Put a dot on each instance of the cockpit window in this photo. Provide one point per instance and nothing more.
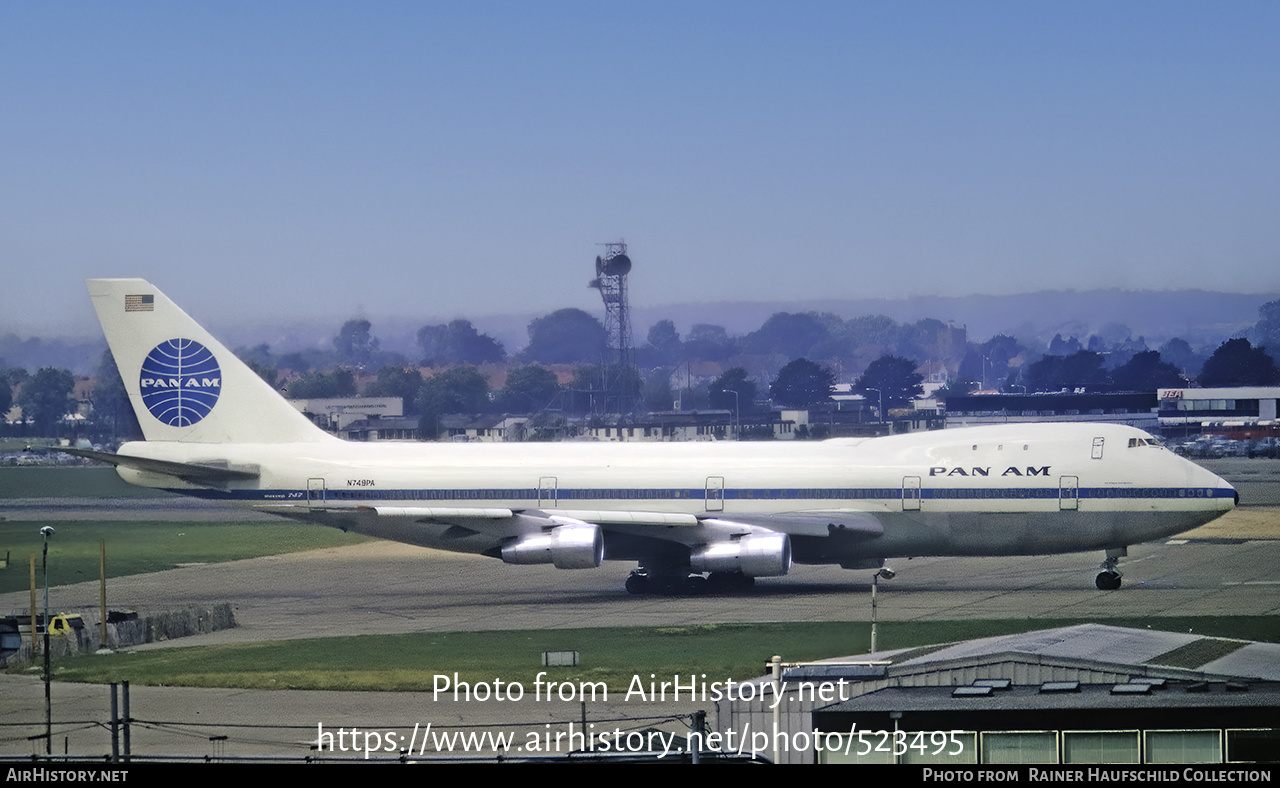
(1145, 442)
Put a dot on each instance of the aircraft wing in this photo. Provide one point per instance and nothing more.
(749, 544)
(862, 524)
(671, 526)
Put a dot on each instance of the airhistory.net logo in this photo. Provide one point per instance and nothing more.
(180, 382)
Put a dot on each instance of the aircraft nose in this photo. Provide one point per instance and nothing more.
(1223, 484)
(1201, 476)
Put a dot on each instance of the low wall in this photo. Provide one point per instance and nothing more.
(149, 628)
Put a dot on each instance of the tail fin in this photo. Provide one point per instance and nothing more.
(183, 384)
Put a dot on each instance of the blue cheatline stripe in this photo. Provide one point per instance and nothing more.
(1156, 492)
(640, 495)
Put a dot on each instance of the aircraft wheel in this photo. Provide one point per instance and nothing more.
(669, 585)
(1108, 581)
(637, 584)
(719, 582)
(726, 582)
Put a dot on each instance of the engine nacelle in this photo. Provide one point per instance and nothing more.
(567, 546)
(756, 555)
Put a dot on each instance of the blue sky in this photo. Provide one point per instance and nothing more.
(440, 159)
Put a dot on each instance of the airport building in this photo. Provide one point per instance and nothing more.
(484, 429)
(1248, 404)
(391, 428)
(1082, 694)
(702, 425)
(1240, 412)
(1135, 410)
(337, 414)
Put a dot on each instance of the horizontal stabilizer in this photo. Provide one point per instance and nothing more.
(189, 472)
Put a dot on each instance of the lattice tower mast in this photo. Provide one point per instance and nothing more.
(611, 280)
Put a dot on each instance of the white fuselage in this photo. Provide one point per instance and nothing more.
(1004, 490)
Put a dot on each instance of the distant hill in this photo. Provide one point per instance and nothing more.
(1194, 315)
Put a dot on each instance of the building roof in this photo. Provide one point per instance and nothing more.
(1230, 392)
(1114, 649)
(1214, 695)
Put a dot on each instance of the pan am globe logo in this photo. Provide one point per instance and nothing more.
(180, 382)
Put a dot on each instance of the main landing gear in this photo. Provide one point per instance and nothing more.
(1109, 579)
(642, 581)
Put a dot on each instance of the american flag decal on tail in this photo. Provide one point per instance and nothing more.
(140, 303)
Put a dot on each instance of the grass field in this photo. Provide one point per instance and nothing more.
(78, 482)
(134, 548)
(612, 655)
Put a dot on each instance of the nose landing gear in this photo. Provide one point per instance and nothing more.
(1109, 579)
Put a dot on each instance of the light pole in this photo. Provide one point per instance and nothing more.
(737, 414)
(880, 411)
(46, 532)
(887, 574)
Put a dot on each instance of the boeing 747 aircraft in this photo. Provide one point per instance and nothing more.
(692, 515)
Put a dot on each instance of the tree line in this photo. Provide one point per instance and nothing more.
(792, 360)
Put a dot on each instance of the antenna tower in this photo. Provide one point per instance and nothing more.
(611, 280)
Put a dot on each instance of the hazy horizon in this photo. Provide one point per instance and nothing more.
(1202, 318)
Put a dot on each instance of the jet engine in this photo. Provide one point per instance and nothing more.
(567, 546)
(754, 555)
